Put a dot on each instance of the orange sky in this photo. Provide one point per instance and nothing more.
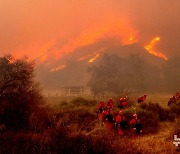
(51, 28)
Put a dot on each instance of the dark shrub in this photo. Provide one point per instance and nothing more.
(59, 141)
(175, 108)
(163, 114)
(19, 93)
(40, 120)
(83, 102)
(81, 117)
(177, 128)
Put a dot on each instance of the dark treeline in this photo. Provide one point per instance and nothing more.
(134, 73)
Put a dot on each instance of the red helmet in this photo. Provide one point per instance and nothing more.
(135, 115)
(108, 110)
(108, 107)
(120, 112)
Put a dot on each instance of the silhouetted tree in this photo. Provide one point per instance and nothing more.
(19, 93)
(171, 74)
(116, 74)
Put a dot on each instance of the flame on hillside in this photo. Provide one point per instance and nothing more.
(94, 58)
(93, 54)
(151, 48)
(122, 30)
(131, 39)
(85, 57)
(58, 68)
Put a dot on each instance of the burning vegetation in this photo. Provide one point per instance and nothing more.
(151, 48)
(94, 58)
(58, 68)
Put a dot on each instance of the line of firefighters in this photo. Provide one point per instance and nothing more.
(106, 115)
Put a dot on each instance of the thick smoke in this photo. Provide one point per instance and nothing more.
(32, 27)
(57, 33)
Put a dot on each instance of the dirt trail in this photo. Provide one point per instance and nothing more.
(160, 142)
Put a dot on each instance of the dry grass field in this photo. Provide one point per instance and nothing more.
(160, 141)
(69, 124)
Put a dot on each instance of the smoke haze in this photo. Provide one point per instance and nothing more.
(58, 33)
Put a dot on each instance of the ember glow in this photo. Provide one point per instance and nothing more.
(58, 68)
(131, 39)
(94, 58)
(151, 48)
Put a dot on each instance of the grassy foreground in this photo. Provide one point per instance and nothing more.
(70, 125)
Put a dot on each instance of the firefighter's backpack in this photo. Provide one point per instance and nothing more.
(109, 117)
(138, 125)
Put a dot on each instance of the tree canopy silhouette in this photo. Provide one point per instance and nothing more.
(116, 74)
(19, 93)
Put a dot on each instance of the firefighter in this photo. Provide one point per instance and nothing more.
(177, 95)
(122, 102)
(108, 114)
(170, 101)
(101, 108)
(109, 105)
(120, 123)
(111, 102)
(136, 126)
(142, 98)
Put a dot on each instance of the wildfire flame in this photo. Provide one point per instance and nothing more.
(85, 57)
(151, 50)
(90, 55)
(58, 68)
(130, 39)
(122, 30)
(94, 58)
